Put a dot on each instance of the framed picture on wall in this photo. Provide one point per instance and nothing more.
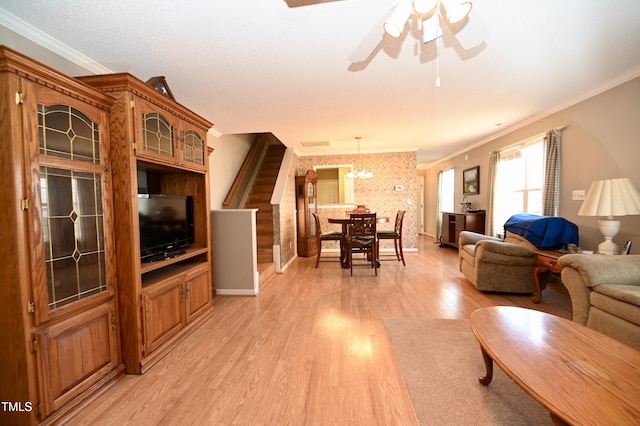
(471, 181)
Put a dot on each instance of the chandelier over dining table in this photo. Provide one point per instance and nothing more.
(359, 173)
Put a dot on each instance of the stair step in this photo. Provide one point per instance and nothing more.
(265, 242)
(266, 180)
(266, 271)
(265, 255)
(264, 208)
(262, 187)
(262, 196)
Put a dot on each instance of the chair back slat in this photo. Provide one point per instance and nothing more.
(318, 230)
(362, 225)
(399, 219)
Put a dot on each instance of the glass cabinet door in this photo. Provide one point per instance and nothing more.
(193, 148)
(157, 134)
(71, 198)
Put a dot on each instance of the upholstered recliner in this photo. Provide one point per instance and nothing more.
(492, 264)
(605, 293)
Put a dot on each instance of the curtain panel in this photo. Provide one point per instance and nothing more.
(551, 172)
(494, 159)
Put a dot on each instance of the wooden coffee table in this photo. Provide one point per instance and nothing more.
(581, 376)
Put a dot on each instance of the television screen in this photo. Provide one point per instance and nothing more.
(166, 225)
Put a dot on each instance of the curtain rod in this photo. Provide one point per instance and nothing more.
(528, 140)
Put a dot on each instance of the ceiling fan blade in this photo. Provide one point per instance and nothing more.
(299, 3)
(471, 32)
(371, 40)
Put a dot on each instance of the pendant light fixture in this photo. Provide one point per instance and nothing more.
(361, 173)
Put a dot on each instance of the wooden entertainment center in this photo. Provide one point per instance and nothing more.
(79, 306)
(158, 147)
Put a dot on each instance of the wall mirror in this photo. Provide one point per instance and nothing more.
(334, 189)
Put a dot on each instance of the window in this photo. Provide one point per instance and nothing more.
(519, 182)
(445, 196)
(447, 189)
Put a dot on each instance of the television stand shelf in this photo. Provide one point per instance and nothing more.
(188, 254)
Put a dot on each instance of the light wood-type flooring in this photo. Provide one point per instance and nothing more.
(310, 349)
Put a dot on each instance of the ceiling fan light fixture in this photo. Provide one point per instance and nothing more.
(424, 6)
(394, 25)
(431, 29)
(456, 10)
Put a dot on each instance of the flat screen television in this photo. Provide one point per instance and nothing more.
(166, 225)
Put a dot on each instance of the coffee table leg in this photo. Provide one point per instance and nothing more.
(488, 363)
(536, 279)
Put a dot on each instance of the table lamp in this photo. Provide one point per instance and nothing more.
(610, 197)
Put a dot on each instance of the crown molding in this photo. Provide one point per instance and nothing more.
(43, 39)
(608, 85)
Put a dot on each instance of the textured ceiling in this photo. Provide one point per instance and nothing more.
(262, 66)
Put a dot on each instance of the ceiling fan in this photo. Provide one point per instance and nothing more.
(430, 17)
(299, 3)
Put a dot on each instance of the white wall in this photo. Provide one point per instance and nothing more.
(224, 162)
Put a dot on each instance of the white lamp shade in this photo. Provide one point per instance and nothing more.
(424, 6)
(394, 26)
(611, 197)
(456, 10)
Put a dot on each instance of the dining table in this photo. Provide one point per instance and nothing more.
(345, 222)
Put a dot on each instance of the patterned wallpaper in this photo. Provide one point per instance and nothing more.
(378, 193)
(284, 221)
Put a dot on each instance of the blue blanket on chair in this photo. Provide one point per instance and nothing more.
(544, 232)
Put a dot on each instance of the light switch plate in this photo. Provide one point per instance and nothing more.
(578, 194)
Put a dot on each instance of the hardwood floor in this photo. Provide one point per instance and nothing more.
(311, 348)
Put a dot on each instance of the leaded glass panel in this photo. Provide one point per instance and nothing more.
(73, 234)
(157, 134)
(67, 133)
(193, 147)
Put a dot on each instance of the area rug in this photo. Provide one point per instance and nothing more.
(440, 362)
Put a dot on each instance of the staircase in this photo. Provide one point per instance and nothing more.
(260, 198)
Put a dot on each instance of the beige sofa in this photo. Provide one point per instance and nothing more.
(492, 264)
(605, 293)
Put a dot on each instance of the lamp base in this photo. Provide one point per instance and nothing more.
(609, 229)
(608, 247)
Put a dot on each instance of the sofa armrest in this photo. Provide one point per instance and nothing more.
(581, 272)
(603, 269)
(507, 249)
(468, 237)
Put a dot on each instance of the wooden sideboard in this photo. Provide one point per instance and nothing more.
(454, 223)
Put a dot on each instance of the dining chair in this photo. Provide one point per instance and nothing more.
(395, 235)
(361, 238)
(329, 236)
